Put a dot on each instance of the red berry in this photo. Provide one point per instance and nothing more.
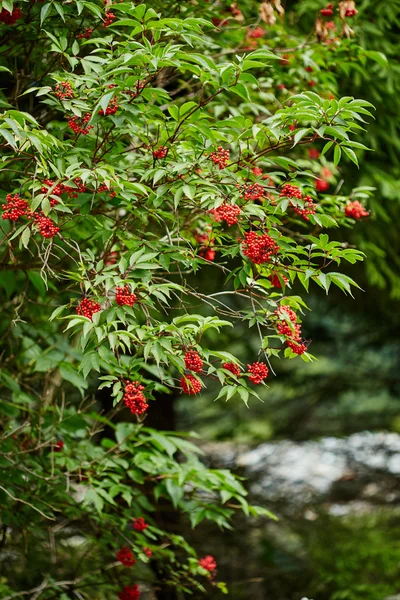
(87, 308)
(255, 33)
(10, 18)
(129, 593)
(193, 361)
(64, 90)
(139, 524)
(356, 210)
(46, 226)
(257, 171)
(259, 247)
(258, 372)
(251, 191)
(109, 19)
(208, 563)
(161, 152)
(190, 384)
(123, 296)
(147, 552)
(220, 157)
(321, 185)
(234, 369)
(314, 153)
(134, 398)
(125, 556)
(15, 208)
(274, 279)
(111, 108)
(58, 447)
(226, 212)
(79, 124)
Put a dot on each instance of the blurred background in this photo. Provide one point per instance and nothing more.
(322, 451)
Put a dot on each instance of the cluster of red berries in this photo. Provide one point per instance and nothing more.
(291, 331)
(190, 384)
(134, 398)
(328, 11)
(292, 191)
(61, 188)
(10, 18)
(86, 34)
(207, 254)
(193, 361)
(355, 210)
(258, 372)
(251, 191)
(87, 308)
(203, 237)
(161, 152)
(80, 124)
(125, 556)
(257, 171)
(276, 281)
(109, 19)
(232, 368)
(313, 153)
(209, 563)
(259, 247)
(139, 524)
(15, 208)
(220, 157)
(321, 185)
(129, 593)
(104, 188)
(124, 296)
(46, 226)
(111, 108)
(226, 212)
(147, 552)
(255, 33)
(111, 258)
(64, 90)
(58, 446)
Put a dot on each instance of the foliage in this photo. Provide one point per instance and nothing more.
(144, 153)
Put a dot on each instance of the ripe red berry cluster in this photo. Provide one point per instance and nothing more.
(355, 210)
(104, 188)
(292, 332)
(161, 152)
(15, 208)
(259, 247)
(190, 384)
(251, 191)
(129, 593)
(64, 90)
(202, 237)
(321, 185)
(291, 191)
(257, 171)
(328, 11)
(147, 552)
(207, 254)
(226, 212)
(134, 398)
(111, 108)
(255, 33)
(86, 34)
(58, 446)
(209, 563)
(139, 524)
(220, 157)
(193, 361)
(46, 226)
(313, 153)
(309, 208)
(111, 258)
(258, 372)
(87, 308)
(125, 556)
(232, 368)
(79, 124)
(61, 188)
(124, 296)
(109, 19)
(10, 18)
(276, 282)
